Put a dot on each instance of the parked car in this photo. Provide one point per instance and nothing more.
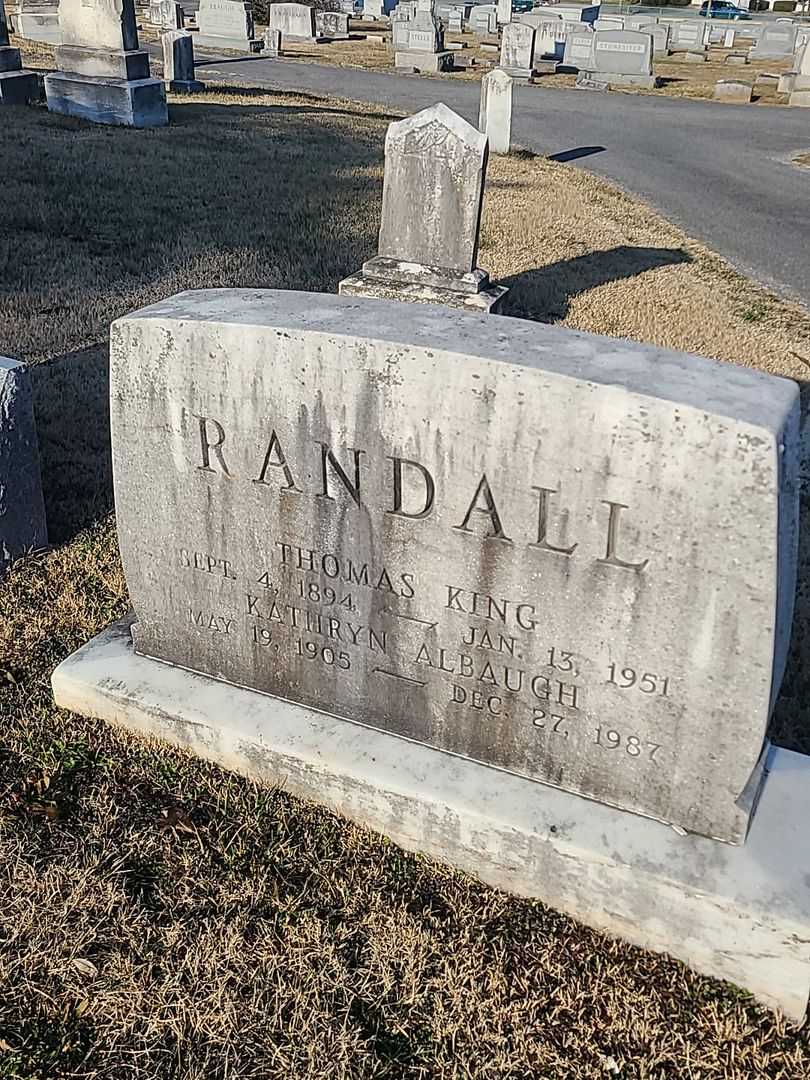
(722, 9)
(522, 6)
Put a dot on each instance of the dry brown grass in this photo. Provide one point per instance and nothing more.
(162, 919)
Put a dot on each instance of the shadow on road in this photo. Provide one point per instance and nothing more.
(545, 294)
(577, 153)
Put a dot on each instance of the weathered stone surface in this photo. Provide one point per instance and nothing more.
(733, 90)
(801, 79)
(98, 24)
(38, 21)
(332, 24)
(484, 19)
(295, 21)
(777, 41)
(18, 87)
(737, 59)
(22, 511)
(435, 164)
(167, 14)
(228, 24)
(140, 103)
(735, 913)
(623, 56)
(800, 98)
(421, 60)
(696, 57)
(178, 62)
(103, 76)
(271, 42)
(517, 50)
(387, 513)
(687, 35)
(579, 49)
(549, 41)
(373, 9)
(504, 12)
(495, 112)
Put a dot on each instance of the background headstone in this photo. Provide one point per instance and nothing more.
(178, 62)
(435, 164)
(579, 49)
(733, 90)
(271, 42)
(102, 75)
(623, 56)
(332, 24)
(22, 510)
(777, 40)
(495, 113)
(517, 50)
(228, 24)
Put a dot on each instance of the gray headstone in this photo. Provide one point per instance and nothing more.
(99, 24)
(4, 37)
(484, 19)
(435, 165)
(517, 49)
(687, 35)
(332, 24)
(495, 113)
(549, 40)
(271, 42)
(579, 49)
(733, 90)
(22, 510)
(373, 9)
(390, 513)
(178, 62)
(623, 56)
(777, 40)
(504, 12)
(228, 24)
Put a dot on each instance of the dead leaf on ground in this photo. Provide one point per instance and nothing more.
(85, 967)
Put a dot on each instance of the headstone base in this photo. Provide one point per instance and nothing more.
(695, 57)
(388, 279)
(520, 74)
(140, 104)
(416, 60)
(223, 44)
(185, 86)
(18, 87)
(648, 82)
(800, 98)
(588, 82)
(10, 58)
(131, 65)
(736, 59)
(787, 83)
(735, 913)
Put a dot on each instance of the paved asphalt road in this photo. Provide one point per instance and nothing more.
(722, 172)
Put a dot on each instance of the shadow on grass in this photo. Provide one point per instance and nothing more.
(545, 294)
(97, 222)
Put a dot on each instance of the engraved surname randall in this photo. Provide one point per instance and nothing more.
(480, 514)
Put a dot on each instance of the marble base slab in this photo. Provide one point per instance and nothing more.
(740, 913)
(140, 103)
(487, 301)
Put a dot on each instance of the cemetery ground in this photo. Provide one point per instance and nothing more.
(162, 918)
